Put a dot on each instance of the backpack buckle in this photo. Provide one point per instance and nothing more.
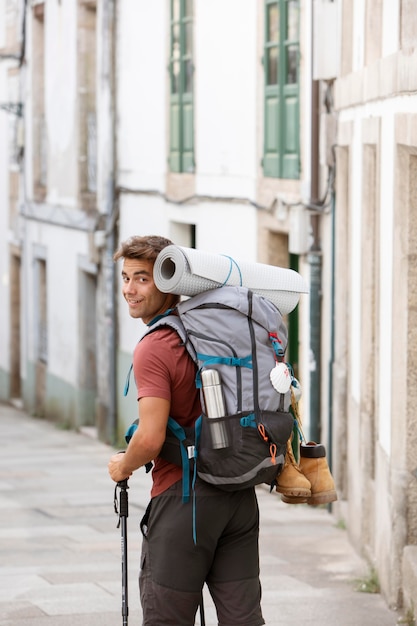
(248, 420)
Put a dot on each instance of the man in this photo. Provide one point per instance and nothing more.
(225, 555)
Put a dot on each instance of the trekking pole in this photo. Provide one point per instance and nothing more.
(123, 513)
(202, 615)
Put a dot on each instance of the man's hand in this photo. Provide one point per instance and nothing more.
(116, 471)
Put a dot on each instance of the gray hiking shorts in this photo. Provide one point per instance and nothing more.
(225, 557)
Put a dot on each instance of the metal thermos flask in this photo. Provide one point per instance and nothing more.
(215, 407)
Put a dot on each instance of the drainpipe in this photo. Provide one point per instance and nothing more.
(332, 329)
(314, 258)
(109, 31)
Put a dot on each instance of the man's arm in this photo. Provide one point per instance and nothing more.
(147, 440)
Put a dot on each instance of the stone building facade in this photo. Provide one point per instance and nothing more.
(375, 381)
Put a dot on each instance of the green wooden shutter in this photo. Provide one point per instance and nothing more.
(271, 155)
(290, 154)
(281, 65)
(181, 154)
(188, 134)
(175, 135)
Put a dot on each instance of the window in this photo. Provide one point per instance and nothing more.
(281, 65)
(181, 155)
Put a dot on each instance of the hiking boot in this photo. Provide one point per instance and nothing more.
(291, 482)
(313, 465)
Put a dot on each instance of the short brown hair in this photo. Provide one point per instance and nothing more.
(137, 247)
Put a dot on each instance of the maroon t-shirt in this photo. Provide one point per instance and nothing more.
(164, 369)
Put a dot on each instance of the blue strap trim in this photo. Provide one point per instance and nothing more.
(248, 420)
(127, 382)
(208, 359)
(155, 319)
(197, 433)
(232, 262)
(178, 431)
(128, 436)
(159, 317)
(130, 432)
(245, 361)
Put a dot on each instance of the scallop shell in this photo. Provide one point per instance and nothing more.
(280, 377)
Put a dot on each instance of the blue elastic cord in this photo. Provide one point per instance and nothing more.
(232, 262)
(300, 434)
(178, 431)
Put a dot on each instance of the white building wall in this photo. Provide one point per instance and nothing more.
(62, 295)
(142, 83)
(390, 26)
(225, 98)
(359, 8)
(61, 96)
(4, 221)
(3, 23)
(56, 230)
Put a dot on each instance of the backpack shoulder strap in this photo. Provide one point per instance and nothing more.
(185, 448)
(174, 321)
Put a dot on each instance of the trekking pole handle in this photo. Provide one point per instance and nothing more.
(123, 502)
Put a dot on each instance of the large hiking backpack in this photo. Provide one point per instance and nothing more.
(242, 336)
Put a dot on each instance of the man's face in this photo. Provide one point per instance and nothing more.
(145, 301)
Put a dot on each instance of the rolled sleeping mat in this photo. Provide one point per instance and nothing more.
(188, 272)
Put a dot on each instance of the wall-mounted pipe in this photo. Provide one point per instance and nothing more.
(109, 32)
(315, 260)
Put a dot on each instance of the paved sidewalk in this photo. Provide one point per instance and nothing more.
(60, 562)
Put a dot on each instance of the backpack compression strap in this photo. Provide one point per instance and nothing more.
(207, 359)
